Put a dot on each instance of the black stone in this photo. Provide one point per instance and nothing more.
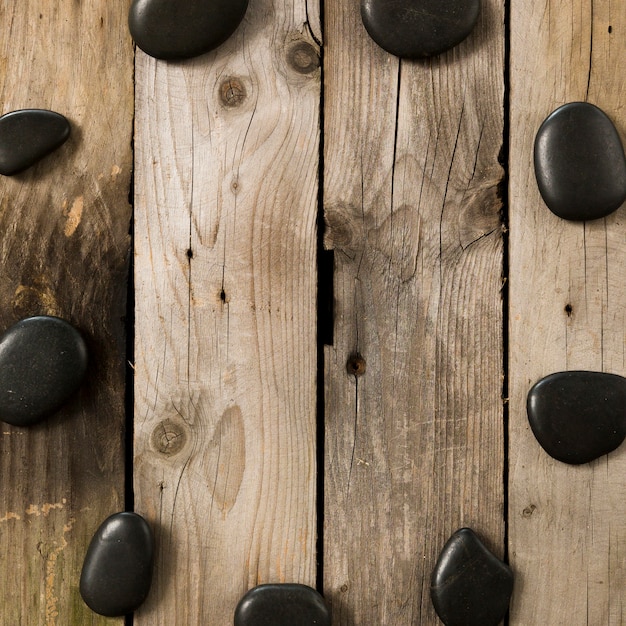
(43, 361)
(117, 571)
(579, 163)
(182, 29)
(419, 28)
(578, 416)
(469, 585)
(27, 136)
(282, 605)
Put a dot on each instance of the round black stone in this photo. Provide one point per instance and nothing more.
(282, 605)
(469, 585)
(28, 135)
(578, 416)
(182, 29)
(419, 28)
(43, 361)
(579, 163)
(117, 571)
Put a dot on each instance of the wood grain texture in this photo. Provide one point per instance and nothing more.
(414, 445)
(567, 523)
(64, 249)
(227, 154)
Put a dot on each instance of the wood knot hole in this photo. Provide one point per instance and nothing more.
(189, 253)
(169, 437)
(356, 365)
(569, 310)
(610, 29)
(232, 92)
(303, 58)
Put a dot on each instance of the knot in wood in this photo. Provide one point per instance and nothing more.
(232, 92)
(303, 58)
(356, 365)
(169, 437)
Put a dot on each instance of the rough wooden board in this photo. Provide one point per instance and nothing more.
(567, 523)
(64, 250)
(414, 446)
(226, 206)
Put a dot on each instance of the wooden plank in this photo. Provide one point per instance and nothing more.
(414, 444)
(226, 205)
(567, 524)
(64, 249)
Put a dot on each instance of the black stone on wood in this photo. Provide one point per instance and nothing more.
(419, 28)
(469, 585)
(28, 135)
(579, 163)
(117, 571)
(43, 361)
(286, 604)
(182, 29)
(578, 416)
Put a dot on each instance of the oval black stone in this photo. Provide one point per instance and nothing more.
(43, 361)
(28, 135)
(287, 604)
(117, 571)
(578, 416)
(469, 585)
(182, 29)
(579, 163)
(419, 28)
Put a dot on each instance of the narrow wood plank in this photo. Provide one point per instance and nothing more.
(567, 524)
(414, 445)
(64, 249)
(226, 203)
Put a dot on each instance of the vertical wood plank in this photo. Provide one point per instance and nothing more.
(414, 445)
(567, 523)
(64, 249)
(226, 204)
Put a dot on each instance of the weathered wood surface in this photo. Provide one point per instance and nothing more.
(415, 442)
(227, 156)
(64, 249)
(567, 523)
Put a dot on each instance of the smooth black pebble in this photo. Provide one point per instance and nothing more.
(43, 361)
(578, 416)
(182, 29)
(419, 28)
(286, 604)
(579, 163)
(469, 585)
(28, 135)
(117, 571)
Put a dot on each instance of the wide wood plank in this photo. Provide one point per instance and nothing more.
(64, 250)
(226, 204)
(567, 523)
(414, 414)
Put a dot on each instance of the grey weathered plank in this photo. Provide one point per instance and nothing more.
(226, 204)
(64, 250)
(414, 444)
(567, 524)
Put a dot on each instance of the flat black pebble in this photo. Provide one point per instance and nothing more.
(43, 361)
(286, 604)
(469, 585)
(117, 571)
(579, 163)
(419, 28)
(578, 416)
(27, 136)
(182, 29)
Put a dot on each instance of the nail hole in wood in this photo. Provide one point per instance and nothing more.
(356, 365)
(190, 253)
(569, 309)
